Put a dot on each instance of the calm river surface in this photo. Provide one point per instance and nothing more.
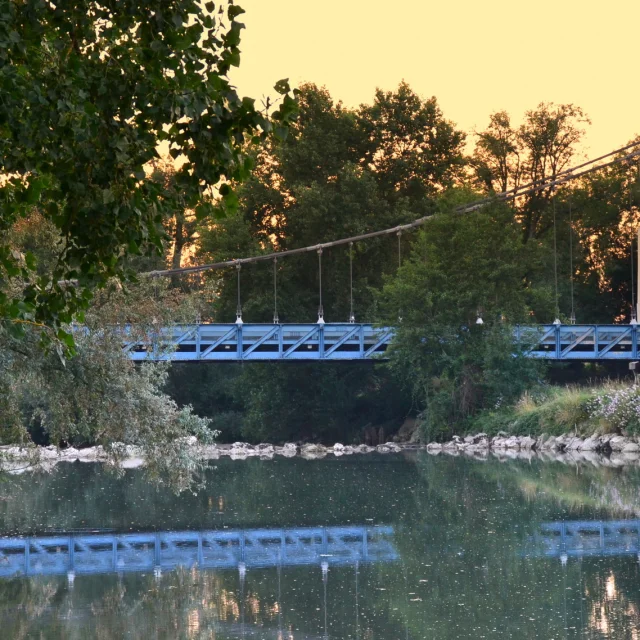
(389, 547)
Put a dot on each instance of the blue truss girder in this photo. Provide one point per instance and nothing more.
(260, 342)
(166, 550)
(580, 342)
(334, 342)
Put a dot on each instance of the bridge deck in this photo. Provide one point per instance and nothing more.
(331, 342)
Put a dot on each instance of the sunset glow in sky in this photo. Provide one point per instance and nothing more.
(475, 56)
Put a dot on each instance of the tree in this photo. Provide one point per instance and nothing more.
(413, 151)
(339, 173)
(506, 158)
(89, 90)
(460, 268)
(100, 397)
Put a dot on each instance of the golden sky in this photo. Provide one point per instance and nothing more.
(475, 56)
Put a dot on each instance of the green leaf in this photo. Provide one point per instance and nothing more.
(282, 86)
(235, 11)
(34, 190)
(203, 210)
(66, 338)
(30, 260)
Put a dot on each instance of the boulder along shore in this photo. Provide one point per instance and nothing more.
(606, 450)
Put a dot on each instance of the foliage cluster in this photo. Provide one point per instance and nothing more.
(92, 89)
(89, 91)
(581, 410)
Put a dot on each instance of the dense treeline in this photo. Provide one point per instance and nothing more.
(346, 171)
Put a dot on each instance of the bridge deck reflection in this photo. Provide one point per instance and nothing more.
(167, 550)
(586, 538)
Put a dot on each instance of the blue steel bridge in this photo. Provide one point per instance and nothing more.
(361, 342)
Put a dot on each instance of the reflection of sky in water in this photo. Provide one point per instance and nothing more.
(463, 549)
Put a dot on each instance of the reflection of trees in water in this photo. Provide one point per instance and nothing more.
(239, 494)
(183, 604)
(460, 526)
(462, 556)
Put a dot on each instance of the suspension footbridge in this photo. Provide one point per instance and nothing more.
(351, 341)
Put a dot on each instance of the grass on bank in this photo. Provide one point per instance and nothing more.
(557, 411)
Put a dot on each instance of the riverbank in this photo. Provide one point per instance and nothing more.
(610, 408)
(606, 451)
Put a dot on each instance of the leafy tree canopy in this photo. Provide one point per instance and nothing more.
(89, 90)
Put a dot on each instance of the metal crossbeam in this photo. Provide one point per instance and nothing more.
(334, 342)
(167, 550)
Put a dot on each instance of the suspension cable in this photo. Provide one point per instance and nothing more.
(573, 311)
(560, 178)
(555, 262)
(239, 306)
(320, 308)
(352, 317)
(276, 319)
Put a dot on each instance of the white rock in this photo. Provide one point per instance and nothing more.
(363, 448)
(313, 448)
(573, 444)
(618, 443)
(512, 443)
(265, 449)
(498, 442)
(590, 444)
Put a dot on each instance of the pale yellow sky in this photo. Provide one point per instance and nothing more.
(475, 56)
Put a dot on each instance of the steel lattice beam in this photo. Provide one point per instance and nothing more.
(333, 342)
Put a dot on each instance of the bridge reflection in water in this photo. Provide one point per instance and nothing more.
(96, 553)
(586, 538)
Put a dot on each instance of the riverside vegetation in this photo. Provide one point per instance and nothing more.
(94, 207)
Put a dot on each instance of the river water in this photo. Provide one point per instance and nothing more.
(373, 546)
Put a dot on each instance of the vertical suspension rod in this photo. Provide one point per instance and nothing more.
(276, 319)
(239, 305)
(573, 312)
(352, 317)
(555, 261)
(320, 308)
